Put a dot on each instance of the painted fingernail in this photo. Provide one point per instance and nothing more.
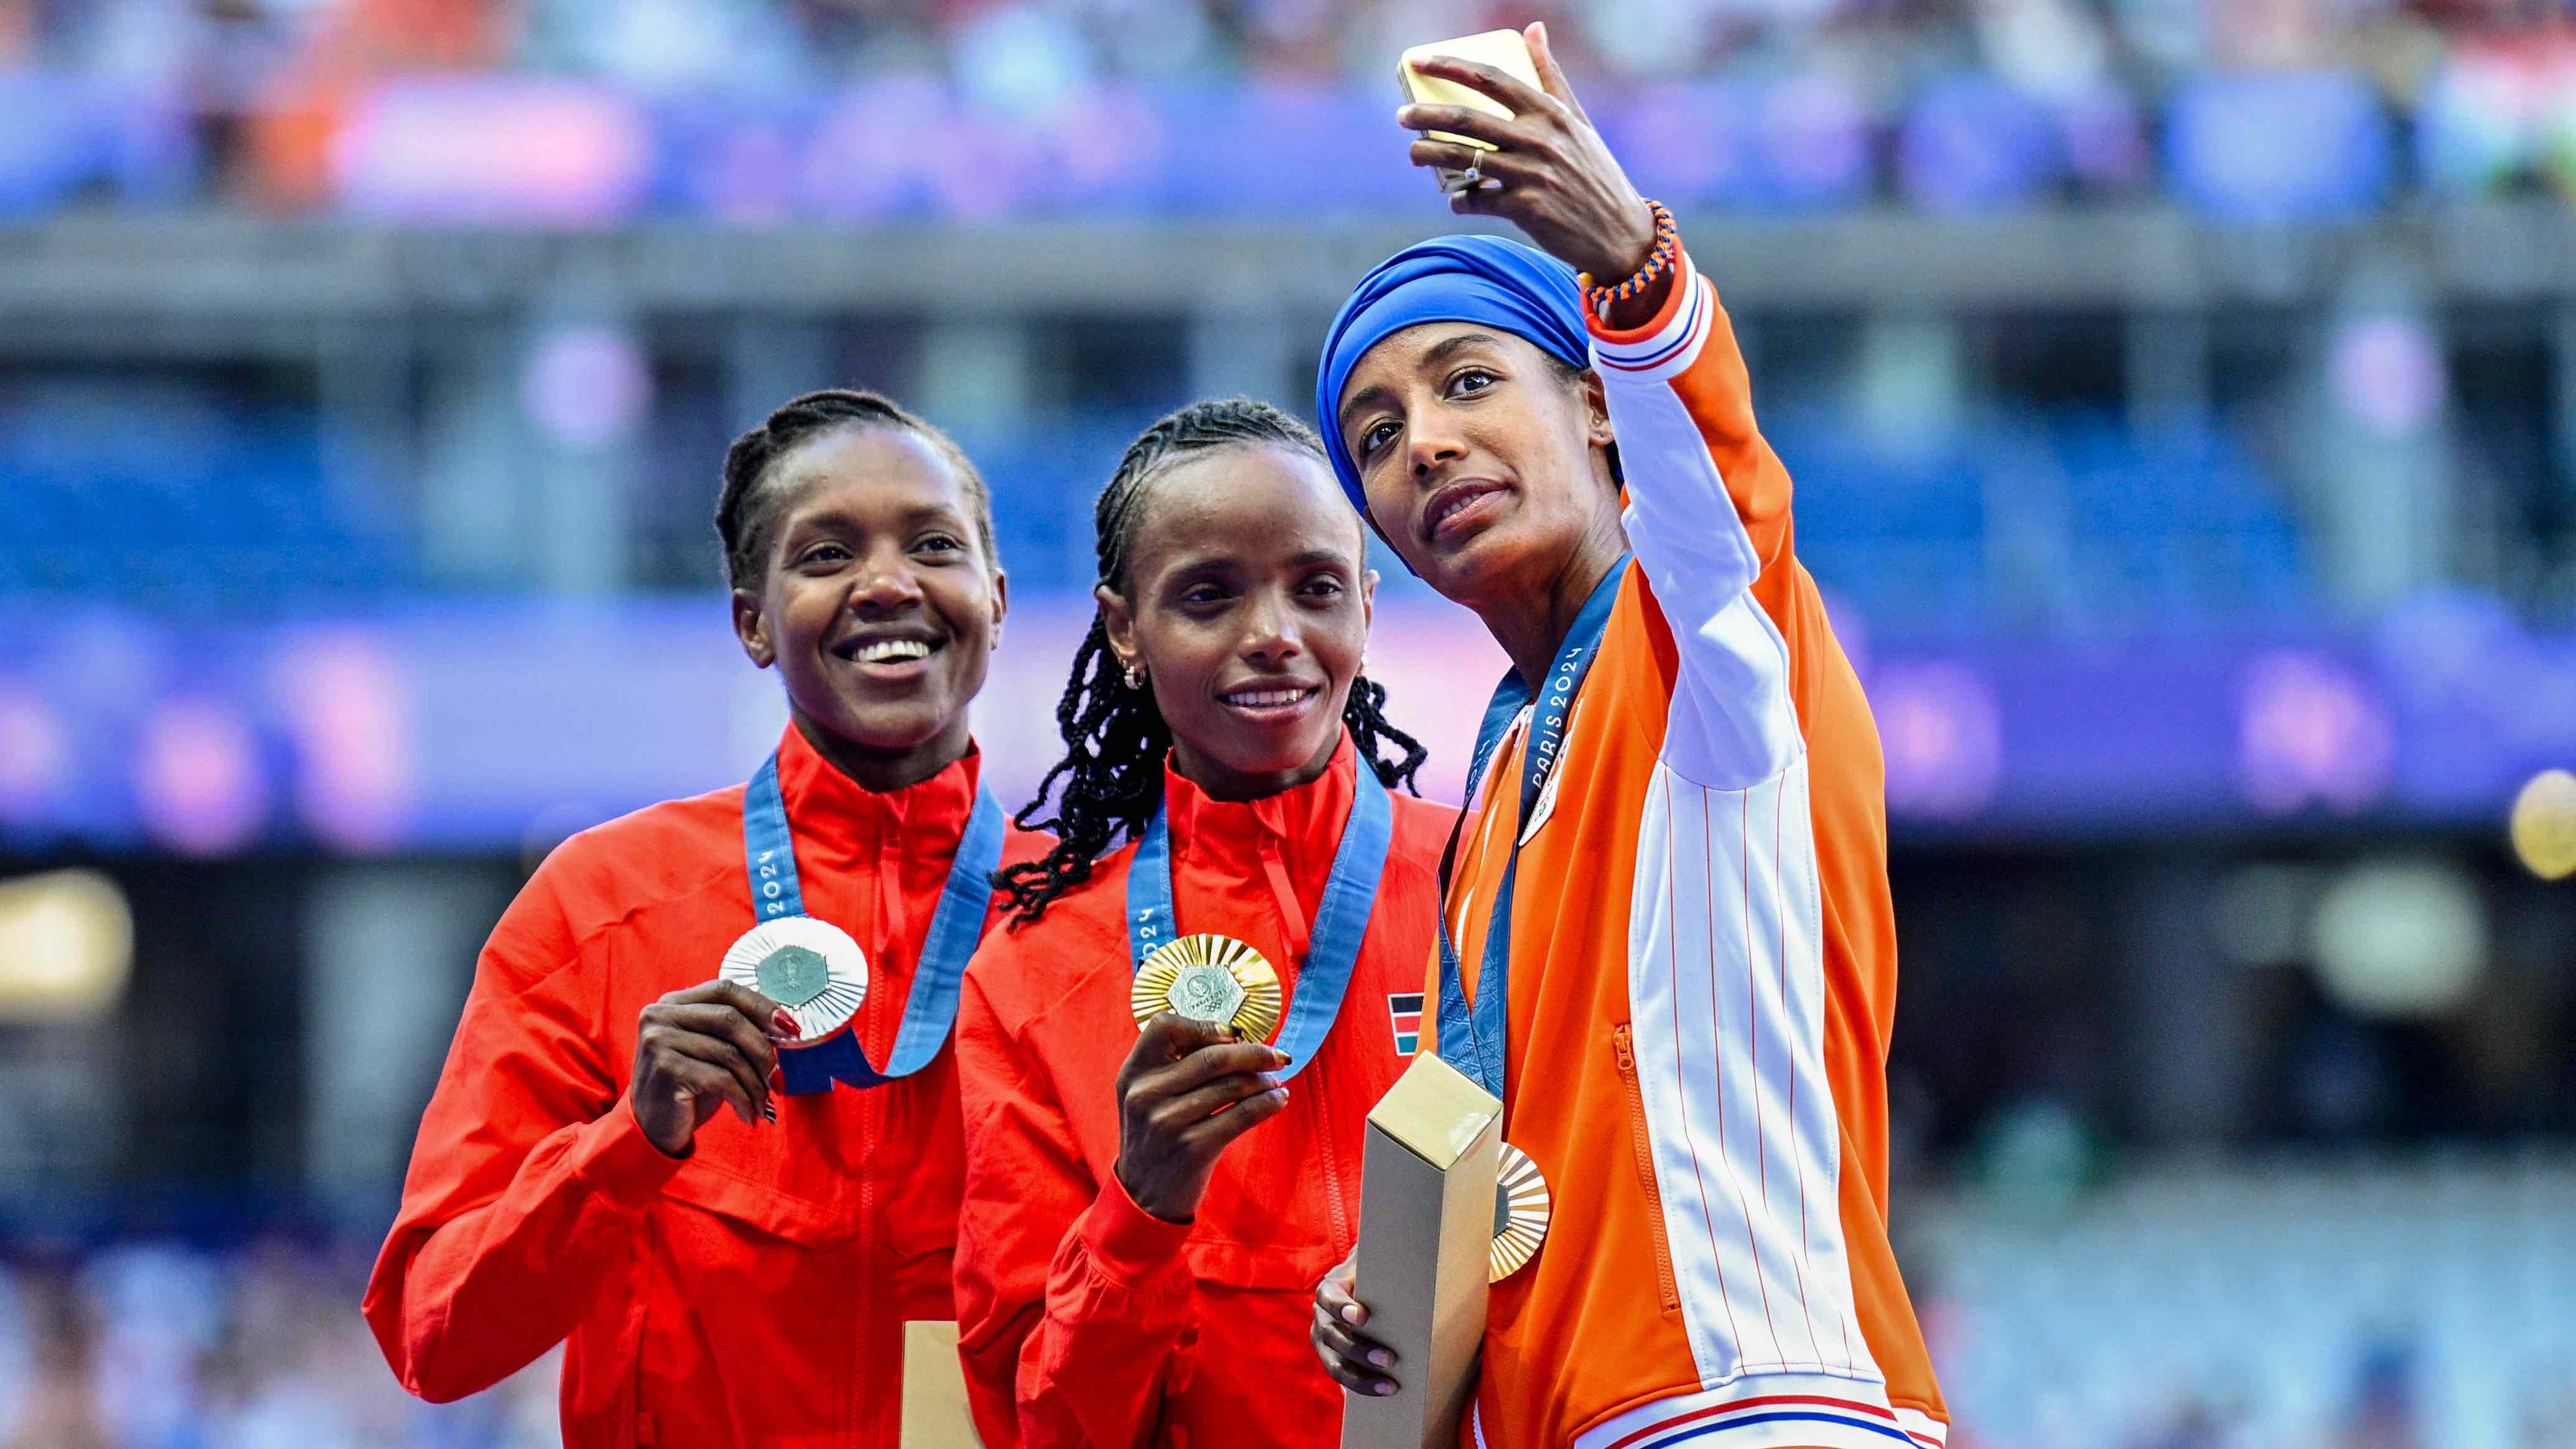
(783, 1024)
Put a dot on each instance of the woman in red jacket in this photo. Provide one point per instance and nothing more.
(1123, 1277)
(742, 1280)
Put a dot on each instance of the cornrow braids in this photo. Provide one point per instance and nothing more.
(1115, 737)
(744, 513)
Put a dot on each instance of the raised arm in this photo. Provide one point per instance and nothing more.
(1707, 500)
(1708, 515)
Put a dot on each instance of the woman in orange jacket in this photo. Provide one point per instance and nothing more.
(1667, 942)
(1126, 1275)
(739, 1281)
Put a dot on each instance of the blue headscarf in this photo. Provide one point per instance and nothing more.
(1463, 278)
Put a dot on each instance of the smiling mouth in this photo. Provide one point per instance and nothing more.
(890, 651)
(1271, 699)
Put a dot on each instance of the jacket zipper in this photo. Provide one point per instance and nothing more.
(1623, 1043)
(1283, 894)
(1332, 1163)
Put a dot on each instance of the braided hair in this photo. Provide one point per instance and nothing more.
(1115, 737)
(745, 513)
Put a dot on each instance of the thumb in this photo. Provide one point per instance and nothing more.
(1181, 1035)
(1551, 76)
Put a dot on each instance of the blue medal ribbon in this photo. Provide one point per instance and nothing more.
(1333, 951)
(955, 927)
(1472, 1035)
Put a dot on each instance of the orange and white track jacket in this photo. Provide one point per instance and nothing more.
(1703, 977)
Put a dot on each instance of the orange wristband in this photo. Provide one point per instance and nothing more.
(1665, 256)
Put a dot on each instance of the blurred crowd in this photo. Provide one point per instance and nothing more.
(156, 1344)
(270, 87)
(2041, 44)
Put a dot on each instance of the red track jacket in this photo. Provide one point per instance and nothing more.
(754, 1292)
(1085, 1320)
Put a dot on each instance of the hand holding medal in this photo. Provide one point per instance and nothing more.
(698, 1051)
(1187, 1090)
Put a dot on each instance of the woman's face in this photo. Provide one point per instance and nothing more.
(877, 600)
(1248, 597)
(1483, 463)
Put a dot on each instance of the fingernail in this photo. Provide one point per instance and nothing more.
(1380, 1357)
(783, 1024)
(1352, 1315)
(1381, 1388)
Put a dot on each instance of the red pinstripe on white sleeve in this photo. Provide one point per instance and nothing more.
(1726, 995)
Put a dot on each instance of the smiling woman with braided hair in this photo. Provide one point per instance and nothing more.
(1116, 735)
(1124, 1278)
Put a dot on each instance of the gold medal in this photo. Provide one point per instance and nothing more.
(1215, 979)
(810, 967)
(1521, 1211)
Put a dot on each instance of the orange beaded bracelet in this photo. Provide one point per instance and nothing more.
(1665, 256)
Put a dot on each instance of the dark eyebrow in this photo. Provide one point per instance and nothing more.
(1439, 352)
(1226, 562)
(921, 513)
(1365, 398)
(1449, 347)
(916, 516)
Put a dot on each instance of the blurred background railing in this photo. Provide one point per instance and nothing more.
(2181, 395)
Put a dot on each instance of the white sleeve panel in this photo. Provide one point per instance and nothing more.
(1727, 1001)
(1733, 724)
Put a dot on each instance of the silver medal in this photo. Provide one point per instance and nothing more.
(810, 967)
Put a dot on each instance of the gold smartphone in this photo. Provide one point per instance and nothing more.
(1505, 50)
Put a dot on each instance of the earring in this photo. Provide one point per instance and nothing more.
(1135, 675)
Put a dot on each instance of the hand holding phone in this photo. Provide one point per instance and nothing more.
(1535, 156)
(1504, 50)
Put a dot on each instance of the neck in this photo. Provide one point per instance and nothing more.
(886, 770)
(1531, 625)
(1221, 781)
